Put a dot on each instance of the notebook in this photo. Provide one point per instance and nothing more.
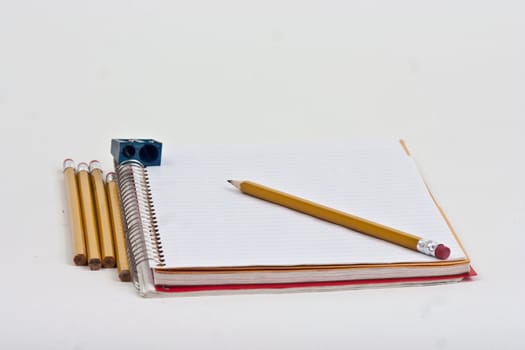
(190, 231)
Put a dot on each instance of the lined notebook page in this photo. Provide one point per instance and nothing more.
(206, 222)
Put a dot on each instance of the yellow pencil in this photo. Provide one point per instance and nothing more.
(90, 219)
(118, 228)
(407, 240)
(102, 213)
(75, 213)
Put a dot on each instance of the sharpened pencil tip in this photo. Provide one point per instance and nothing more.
(235, 183)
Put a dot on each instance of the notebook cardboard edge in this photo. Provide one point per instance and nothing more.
(441, 211)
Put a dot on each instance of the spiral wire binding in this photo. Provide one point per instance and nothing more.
(138, 210)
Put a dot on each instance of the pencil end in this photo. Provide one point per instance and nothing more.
(108, 262)
(80, 259)
(94, 264)
(124, 276)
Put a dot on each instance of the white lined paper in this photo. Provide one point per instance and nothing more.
(206, 222)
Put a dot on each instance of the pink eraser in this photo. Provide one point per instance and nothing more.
(442, 252)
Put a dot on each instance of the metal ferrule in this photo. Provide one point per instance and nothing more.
(427, 246)
(68, 163)
(94, 164)
(82, 167)
(110, 177)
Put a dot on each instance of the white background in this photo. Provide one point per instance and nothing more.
(447, 76)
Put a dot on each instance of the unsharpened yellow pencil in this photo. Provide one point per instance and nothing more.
(118, 228)
(102, 212)
(89, 216)
(75, 213)
(407, 240)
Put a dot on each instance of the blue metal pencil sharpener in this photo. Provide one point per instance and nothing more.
(146, 151)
